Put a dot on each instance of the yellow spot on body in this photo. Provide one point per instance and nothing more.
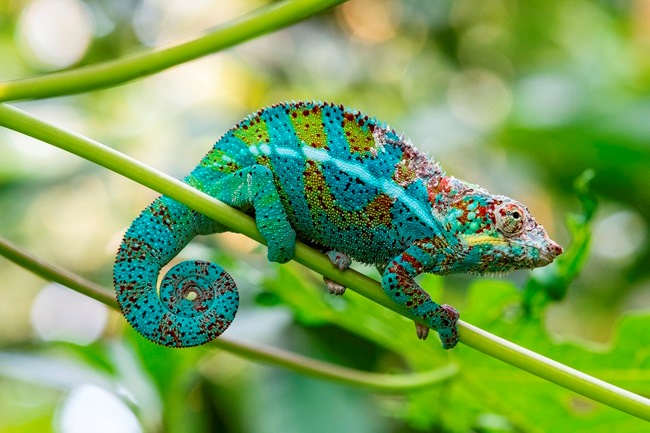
(191, 295)
(320, 198)
(308, 125)
(263, 160)
(219, 160)
(378, 210)
(360, 138)
(253, 132)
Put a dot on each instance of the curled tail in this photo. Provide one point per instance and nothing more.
(198, 299)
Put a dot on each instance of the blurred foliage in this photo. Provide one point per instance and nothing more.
(552, 282)
(485, 385)
(519, 97)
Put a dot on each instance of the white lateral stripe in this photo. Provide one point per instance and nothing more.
(388, 186)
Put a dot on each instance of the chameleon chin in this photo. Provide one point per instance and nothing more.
(342, 181)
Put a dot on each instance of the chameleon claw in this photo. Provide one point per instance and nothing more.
(333, 287)
(421, 330)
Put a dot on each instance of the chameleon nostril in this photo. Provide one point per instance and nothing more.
(554, 248)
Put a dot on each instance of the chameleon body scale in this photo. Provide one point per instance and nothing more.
(342, 182)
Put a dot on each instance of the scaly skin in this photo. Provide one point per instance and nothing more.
(341, 181)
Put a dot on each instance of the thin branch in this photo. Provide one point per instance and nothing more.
(496, 347)
(374, 381)
(56, 274)
(110, 73)
(254, 352)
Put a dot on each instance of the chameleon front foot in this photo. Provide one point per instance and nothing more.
(448, 332)
(446, 323)
(444, 319)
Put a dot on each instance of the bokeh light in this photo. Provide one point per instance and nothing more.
(89, 408)
(59, 313)
(479, 98)
(56, 32)
(619, 235)
(371, 20)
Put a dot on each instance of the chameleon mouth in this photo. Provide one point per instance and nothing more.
(549, 253)
(544, 259)
(489, 274)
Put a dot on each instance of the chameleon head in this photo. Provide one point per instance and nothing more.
(495, 234)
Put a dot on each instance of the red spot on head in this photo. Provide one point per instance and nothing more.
(444, 186)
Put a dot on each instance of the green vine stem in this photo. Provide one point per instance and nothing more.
(386, 383)
(254, 352)
(261, 21)
(478, 339)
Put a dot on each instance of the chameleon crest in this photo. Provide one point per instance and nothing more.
(336, 179)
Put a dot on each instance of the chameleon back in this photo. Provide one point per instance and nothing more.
(346, 181)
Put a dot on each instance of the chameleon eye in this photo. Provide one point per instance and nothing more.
(510, 219)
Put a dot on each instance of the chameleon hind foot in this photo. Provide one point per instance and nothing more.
(342, 262)
(333, 287)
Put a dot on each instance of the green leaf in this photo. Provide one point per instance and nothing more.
(492, 305)
(487, 392)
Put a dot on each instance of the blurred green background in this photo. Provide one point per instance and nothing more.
(519, 97)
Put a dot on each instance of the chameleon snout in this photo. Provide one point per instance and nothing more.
(554, 248)
(551, 250)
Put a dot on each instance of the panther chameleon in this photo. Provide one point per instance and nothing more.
(338, 180)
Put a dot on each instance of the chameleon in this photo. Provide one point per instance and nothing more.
(342, 182)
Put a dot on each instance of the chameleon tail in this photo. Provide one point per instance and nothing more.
(198, 299)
